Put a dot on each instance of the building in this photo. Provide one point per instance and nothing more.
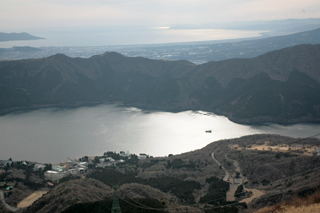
(9, 188)
(124, 154)
(54, 175)
(38, 167)
(142, 156)
(110, 159)
(317, 151)
(104, 164)
(57, 168)
(81, 170)
(73, 171)
(4, 163)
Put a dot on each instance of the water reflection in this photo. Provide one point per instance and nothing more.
(52, 135)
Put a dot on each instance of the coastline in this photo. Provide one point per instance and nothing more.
(258, 120)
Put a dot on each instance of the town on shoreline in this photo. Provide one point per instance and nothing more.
(73, 167)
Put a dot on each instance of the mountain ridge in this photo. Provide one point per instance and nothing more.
(282, 86)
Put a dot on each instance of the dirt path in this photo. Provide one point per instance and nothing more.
(255, 193)
(230, 193)
(30, 199)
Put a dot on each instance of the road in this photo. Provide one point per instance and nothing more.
(10, 208)
(227, 173)
(234, 182)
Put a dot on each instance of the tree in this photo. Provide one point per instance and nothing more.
(48, 167)
(7, 167)
(237, 174)
(84, 159)
(239, 192)
(96, 160)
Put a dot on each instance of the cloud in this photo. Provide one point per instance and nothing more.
(59, 13)
(275, 9)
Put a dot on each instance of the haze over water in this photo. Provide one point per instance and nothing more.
(51, 135)
(126, 36)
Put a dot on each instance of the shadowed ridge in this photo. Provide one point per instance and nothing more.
(280, 86)
(277, 64)
(69, 193)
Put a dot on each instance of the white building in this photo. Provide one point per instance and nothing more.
(110, 159)
(104, 164)
(74, 171)
(39, 166)
(54, 175)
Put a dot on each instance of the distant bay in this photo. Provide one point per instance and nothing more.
(53, 134)
(128, 36)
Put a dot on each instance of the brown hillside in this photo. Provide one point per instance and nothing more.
(69, 193)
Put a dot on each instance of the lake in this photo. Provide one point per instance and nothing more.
(51, 135)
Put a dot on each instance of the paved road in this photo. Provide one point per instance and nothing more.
(10, 208)
(227, 173)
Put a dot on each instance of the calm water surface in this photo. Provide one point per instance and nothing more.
(127, 36)
(52, 135)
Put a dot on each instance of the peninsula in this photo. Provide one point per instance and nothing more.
(17, 37)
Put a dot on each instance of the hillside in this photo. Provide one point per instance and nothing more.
(307, 204)
(281, 86)
(70, 193)
(271, 169)
(80, 195)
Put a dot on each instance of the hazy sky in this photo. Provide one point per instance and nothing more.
(15, 14)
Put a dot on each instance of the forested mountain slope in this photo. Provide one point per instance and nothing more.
(281, 86)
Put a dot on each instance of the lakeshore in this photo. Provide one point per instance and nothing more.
(50, 135)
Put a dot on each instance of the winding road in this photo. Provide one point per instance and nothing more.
(227, 173)
(10, 208)
(234, 182)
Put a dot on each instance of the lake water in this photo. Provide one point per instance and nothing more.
(51, 135)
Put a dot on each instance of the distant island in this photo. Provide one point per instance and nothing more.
(17, 37)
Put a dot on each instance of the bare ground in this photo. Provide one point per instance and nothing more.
(30, 199)
(255, 194)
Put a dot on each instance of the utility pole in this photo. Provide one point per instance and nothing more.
(115, 205)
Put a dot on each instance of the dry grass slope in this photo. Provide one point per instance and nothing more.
(307, 204)
(70, 193)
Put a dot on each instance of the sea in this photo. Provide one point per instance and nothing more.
(108, 36)
(51, 135)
